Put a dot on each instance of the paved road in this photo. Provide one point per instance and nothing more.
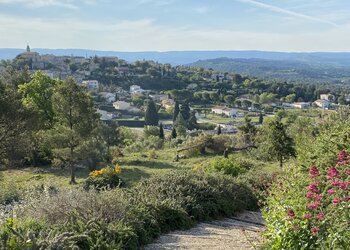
(241, 232)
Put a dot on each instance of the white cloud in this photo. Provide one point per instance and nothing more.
(146, 35)
(287, 12)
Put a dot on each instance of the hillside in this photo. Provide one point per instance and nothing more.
(289, 70)
(186, 57)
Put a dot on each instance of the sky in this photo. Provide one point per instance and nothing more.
(173, 25)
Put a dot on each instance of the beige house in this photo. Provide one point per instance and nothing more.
(168, 103)
(301, 105)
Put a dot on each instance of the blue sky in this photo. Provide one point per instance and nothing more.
(163, 25)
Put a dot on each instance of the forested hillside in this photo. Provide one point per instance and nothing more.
(288, 70)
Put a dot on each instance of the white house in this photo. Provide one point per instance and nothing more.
(301, 105)
(91, 85)
(325, 104)
(104, 115)
(121, 105)
(136, 89)
(110, 97)
(229, 112)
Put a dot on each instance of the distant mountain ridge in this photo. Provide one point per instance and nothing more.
(187, 57)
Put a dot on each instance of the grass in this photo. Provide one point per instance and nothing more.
(134, 167)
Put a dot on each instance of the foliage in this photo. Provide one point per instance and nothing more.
(233, 165)
(107, 177)
(277, 142)
(123, 219)
(311, 210)
(151, 114)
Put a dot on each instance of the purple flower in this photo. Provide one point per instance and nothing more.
(315, 231)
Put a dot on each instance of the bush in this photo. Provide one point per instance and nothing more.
(121, 218)
(233, 165)
(152, 142)
(104, 178)
(311, 211)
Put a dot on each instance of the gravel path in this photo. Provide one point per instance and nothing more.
(241, 232)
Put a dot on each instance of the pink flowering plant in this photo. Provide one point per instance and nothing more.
(319, 220)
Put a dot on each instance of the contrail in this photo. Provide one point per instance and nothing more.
(288, 12)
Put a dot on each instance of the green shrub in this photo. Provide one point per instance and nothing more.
(104, 178)
(9, 193)
(233, 165)
(123, 218)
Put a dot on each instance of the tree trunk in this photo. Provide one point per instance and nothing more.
(72, 168)
(281, 162)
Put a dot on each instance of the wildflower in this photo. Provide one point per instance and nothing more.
(342, 158)
(313, 187)
(307, 216)
(117, 169)
(314, 172)
(310, 195)
(336, 183)
(347, 172)
(313, 205)
(332, 173)
(344, 185)
(331, 191)
(320, 216)
(317, 197)
(296, 227)
(291, 213)
(315, 231)
(335, 201)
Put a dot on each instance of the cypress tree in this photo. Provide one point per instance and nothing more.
(219, 130)
(185, 111)
(151, 114)
(176, 110)
(161, 131)
(173, 133)
(192, 122)
(261, 118)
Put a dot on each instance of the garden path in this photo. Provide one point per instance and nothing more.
(241, 232)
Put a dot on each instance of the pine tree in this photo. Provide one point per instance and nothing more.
(176, 110)
(279, 144)
(173, 133)
(151, 114)
(219, 130)
(161, 131)
(76, 121)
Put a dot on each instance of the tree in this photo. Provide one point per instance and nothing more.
(17, 121)
(279, 144)
(192, 122)
(180, 125)
(219, 130)
(173, 133)
(261, 118)
(76, 123)
(161, 131)
(176, 110)
(229, 99)
(38, 94)
(248, 130)
(151, 114)
(185, 111)
(111, 136)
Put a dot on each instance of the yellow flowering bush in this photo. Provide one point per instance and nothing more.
(106, 177)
